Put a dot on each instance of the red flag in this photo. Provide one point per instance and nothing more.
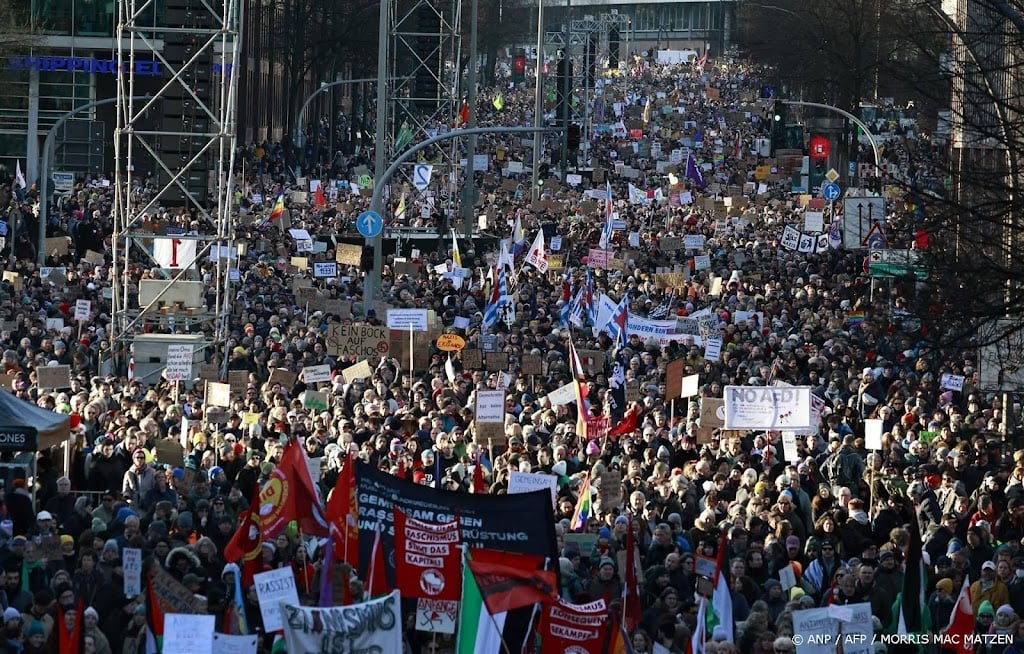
(463, 115)
(69, 642)
(961, 623)
(342, 512)
(566, 627)
(290, 495)
(246, 546)
(627, 426)
(631, 610)
(376, 578)
(479, 486)
(510, 581)
(428, 559)
(319, 200)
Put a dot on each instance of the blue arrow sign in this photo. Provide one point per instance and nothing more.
(370, 224)
(831, 192)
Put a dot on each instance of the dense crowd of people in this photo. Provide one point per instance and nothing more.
(827, 522)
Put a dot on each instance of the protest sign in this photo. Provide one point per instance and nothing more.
(272, 589)
(186, 633)
(527, 482)
(374, 626)
(755, 408)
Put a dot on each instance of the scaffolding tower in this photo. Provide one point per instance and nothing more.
(423, 91)
(174, 145)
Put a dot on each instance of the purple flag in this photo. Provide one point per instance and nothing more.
(693, 172)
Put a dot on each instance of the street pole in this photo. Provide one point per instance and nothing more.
(44, 170)
(567, 90)
(538, 102)
(373, 280)
(852, 118)
(469, 188)
(297, 131)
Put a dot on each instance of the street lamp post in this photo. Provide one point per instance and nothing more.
(44, 169)
(538, 100)
(297, 131)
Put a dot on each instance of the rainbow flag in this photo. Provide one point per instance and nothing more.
(279, 209)
(618, 640)
(855, 317)
(582, 512)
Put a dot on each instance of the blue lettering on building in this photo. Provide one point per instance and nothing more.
(143, 67)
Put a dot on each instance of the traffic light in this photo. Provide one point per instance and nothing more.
(519, 67)
(778, 124)
(613, 47)
(542, 173)
(573, 137)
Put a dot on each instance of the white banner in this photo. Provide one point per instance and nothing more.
(408, 319)
(527, 482)
(756, 408)
(563, 395)
(374, 626)
(172, 252)
(846, 629)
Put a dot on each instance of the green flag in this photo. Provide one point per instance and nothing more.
(404, 137)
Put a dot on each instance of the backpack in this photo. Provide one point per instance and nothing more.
(839, 469)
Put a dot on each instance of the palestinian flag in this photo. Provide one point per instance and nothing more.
(154, 619)
(720, 609)
(499, 594)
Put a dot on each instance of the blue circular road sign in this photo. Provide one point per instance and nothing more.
(370, 224)
(831, 192)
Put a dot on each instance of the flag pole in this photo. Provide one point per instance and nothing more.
(501, 637)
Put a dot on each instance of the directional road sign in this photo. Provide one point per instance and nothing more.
(831, 192)
(370, 224)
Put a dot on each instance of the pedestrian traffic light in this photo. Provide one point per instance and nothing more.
(543, 171)
(366, 259)
(777, 124)
(573, 137)
(519, 67)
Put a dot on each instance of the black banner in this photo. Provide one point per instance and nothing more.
(18, 439)
(522, 523)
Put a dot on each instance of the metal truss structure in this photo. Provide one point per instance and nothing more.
(174, 144)
(423, 91)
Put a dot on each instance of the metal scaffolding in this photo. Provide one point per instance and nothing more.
(423, 93)
(174, 145)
